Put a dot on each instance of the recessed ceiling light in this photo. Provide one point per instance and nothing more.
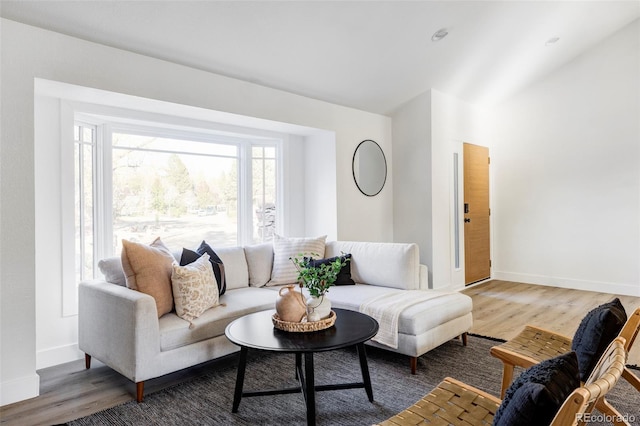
(552, 41)
(439, 35)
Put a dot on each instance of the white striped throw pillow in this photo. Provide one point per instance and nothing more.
(284, 271)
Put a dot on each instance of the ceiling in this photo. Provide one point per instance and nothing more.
(370, 55)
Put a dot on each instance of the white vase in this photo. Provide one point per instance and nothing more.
(318, 308)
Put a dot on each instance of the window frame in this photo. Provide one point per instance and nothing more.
(244, 139)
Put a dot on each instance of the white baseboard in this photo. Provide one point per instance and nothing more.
(19, 389)
(58, 355)
(601, 287)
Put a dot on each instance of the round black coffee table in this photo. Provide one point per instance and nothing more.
(256, 331)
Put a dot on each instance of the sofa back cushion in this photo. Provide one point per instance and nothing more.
(260, 262)
(235, 266)
(394, 265)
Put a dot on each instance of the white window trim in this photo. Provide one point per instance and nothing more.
(67, 205)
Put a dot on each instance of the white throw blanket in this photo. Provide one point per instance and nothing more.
(386, 309)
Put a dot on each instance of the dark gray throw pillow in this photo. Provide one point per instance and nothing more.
(190, 256)
(537, 394)
(344, 276)
(595, 332)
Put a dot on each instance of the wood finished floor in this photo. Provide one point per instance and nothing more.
(500, 309)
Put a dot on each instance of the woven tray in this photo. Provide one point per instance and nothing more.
(304, 327)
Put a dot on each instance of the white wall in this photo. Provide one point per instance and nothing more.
(427, 131)
(29, 53)
(566, 172)
(412, 176)
(319, 190)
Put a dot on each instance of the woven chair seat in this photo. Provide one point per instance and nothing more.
(458, 404)
(534, 343)
(451, 403)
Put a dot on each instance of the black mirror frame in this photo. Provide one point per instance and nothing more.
(353, 168)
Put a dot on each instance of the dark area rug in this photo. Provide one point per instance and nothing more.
(207, 400)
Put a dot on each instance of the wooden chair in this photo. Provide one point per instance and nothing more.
(535, 344)
(455, 403)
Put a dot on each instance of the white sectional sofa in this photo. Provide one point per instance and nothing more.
(120, 326)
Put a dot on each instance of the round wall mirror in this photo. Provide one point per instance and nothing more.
(369, 168)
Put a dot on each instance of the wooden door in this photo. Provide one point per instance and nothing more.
(477, 244)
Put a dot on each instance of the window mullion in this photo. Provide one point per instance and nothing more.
(103, 193)
(81, 204)
(245, 204)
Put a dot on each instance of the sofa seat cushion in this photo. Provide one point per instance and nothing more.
(175, 332)
(416, 319)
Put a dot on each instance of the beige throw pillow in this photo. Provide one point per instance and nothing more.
(148, 269)
(284, 271)
(194, 288)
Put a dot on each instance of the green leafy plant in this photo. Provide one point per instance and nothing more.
(317, 279)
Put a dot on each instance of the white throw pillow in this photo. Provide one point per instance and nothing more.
(111, 268)
(284, 271)
(194, 288)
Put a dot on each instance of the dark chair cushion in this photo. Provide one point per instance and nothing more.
(344, 276)
(537, 394)
(595, 332)
(190, 256)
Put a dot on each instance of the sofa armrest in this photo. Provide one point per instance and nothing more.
(119, 327)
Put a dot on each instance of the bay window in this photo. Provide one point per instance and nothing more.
(140, 181)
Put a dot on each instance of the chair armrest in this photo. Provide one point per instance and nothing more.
(118, 326)
(546, 331)
(532, 345)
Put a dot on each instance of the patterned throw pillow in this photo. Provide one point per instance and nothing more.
(148, 269)
(284, 271)
(194, 288)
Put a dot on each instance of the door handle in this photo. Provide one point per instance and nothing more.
(467, 220)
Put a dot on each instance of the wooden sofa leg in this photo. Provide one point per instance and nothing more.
(87, 361)
(139, 391)
(463, 338)
(414, 364)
